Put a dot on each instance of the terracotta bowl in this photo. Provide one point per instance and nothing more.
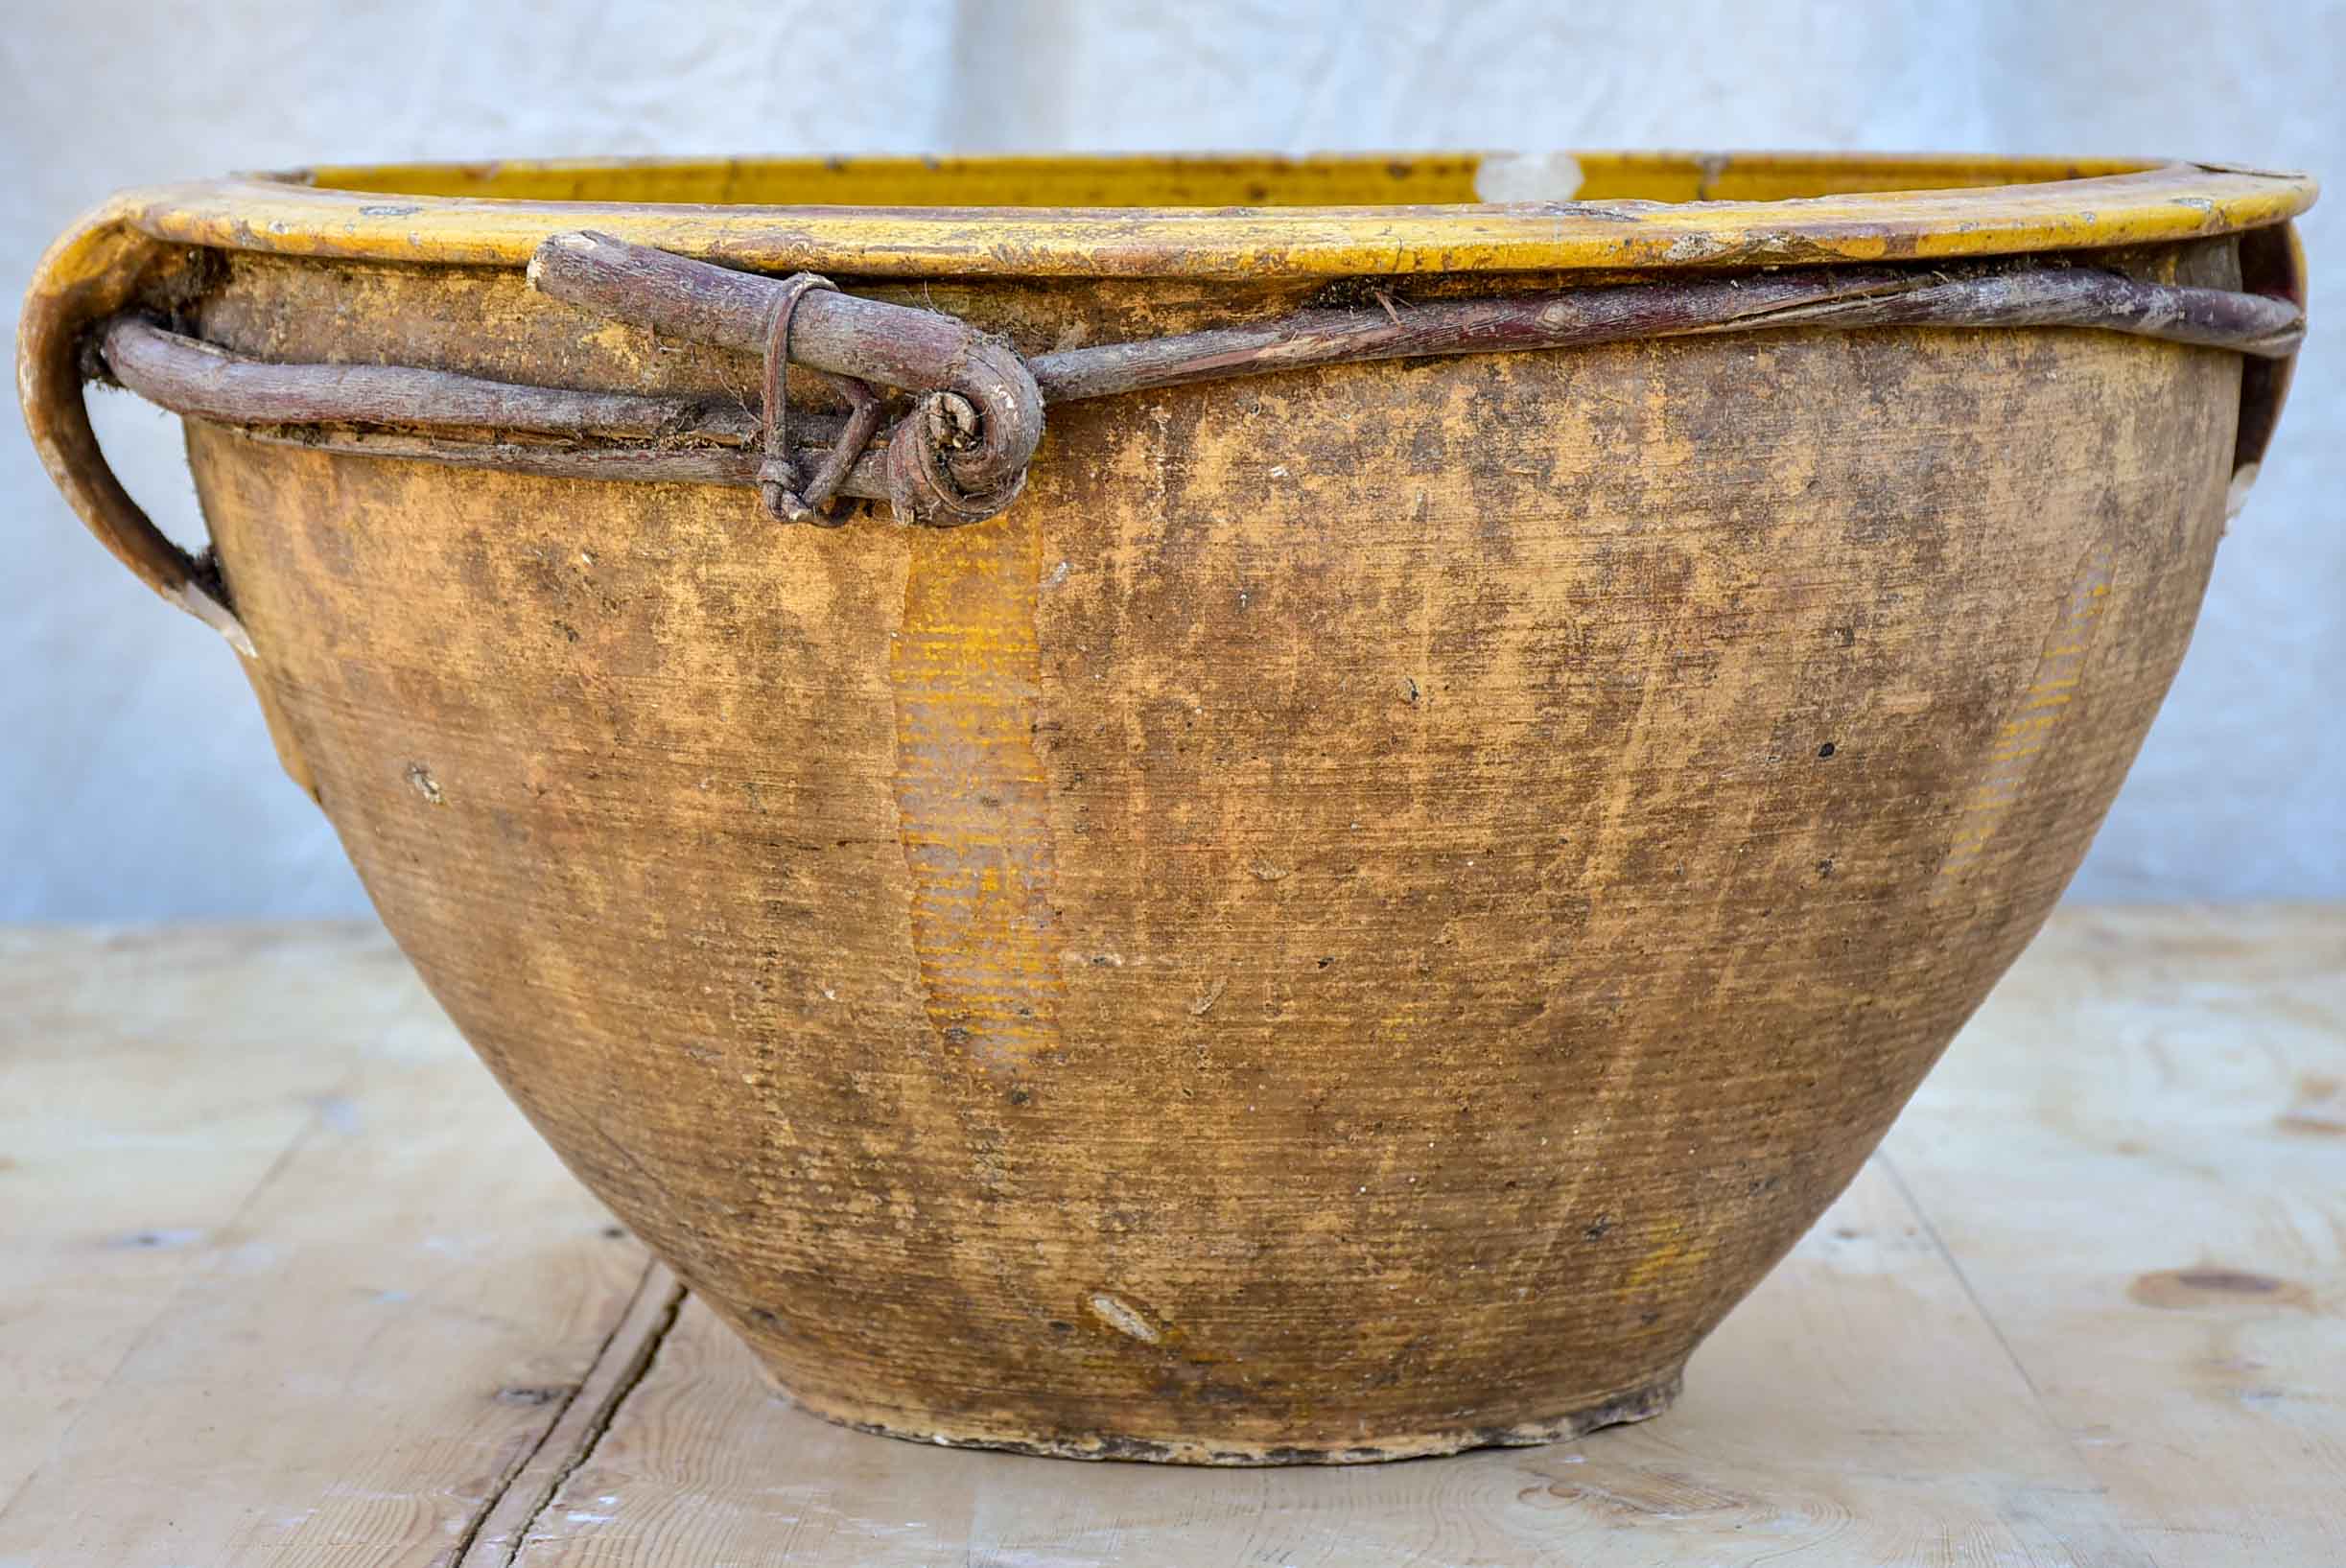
(1365, 908)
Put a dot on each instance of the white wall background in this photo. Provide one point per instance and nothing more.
(137, 781)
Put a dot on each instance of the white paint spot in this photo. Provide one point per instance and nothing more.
(1688, 247)
(1528, 176)
(1123, 1317)
(420, 778)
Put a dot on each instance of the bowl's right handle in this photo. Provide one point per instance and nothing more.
(2273, 263)
(97, 268)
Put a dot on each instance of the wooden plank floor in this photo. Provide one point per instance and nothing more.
(283, 1280)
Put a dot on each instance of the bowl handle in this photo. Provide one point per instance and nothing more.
(94, 269)
(2272, 263)
(960, 458)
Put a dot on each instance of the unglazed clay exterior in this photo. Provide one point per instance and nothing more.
(1356, 920)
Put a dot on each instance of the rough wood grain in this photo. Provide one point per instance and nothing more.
(620, 1365)
(2084, 1314)
(364, 1344)
(2139, 1163)
(122, 1173)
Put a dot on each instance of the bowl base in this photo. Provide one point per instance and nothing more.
(1636, 1404)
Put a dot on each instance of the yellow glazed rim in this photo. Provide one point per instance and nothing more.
(1230, 217)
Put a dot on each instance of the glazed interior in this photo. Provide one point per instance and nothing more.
(1348, 179)
(1227, 217)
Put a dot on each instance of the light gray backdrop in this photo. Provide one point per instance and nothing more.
(135, 779)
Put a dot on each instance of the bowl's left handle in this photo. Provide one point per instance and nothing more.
(98, 268)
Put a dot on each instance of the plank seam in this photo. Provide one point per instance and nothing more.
(476, 1547)
(622, 1360)
(630, 1377)
(2084, 1460)
(1939, 1243)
